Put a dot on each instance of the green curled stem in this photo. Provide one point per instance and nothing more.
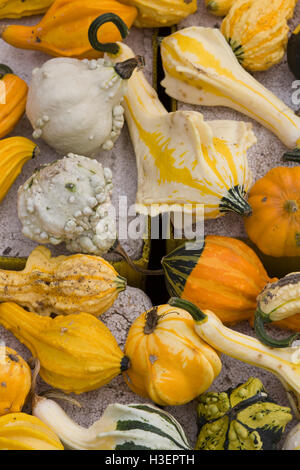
(260, 321)
(4, 70)
(109, 47)
(192, 309)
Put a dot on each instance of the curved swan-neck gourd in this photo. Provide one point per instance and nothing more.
(182, 159)
(202, 69)
(284, 363)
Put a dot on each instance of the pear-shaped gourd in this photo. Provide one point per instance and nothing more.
(77, 353)
(63, 285)
(284, 363)
(180, 158)
(202, 69)
(121, 427)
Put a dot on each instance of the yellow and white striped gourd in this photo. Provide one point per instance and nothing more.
(257, 31)
(202, 69)
(121, 427)
(182, 159)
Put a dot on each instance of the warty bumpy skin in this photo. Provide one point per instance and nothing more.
(75, 106)
(69, 201)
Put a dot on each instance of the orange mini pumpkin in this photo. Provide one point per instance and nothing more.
(15, 381)
(169, 363)
(274, 225)
(13, 96)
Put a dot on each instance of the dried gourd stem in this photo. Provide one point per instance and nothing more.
(109, 47)
(118, 249)
(152, 319)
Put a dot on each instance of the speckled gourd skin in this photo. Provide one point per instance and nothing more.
(257, 31)
(63, 285)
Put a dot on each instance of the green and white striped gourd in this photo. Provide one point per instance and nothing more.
(121, 427)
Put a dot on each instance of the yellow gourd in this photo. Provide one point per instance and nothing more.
(62, 285)
(160, 13)
(77, 353)
(63, 30)
(20, 431)
(15, 381)
(219, 7)
(257, 31)
(284, 362)
(19, 8)
(14, 153)
(204, 165)
(168, 363)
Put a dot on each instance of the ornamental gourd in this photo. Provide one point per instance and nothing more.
(201, 69)
(274, 225)
(221, 274)
(207, 164)
(121, 427)
(168, 363)
(292, 441)
(63, 31)
(293, 52)
(279, 302)
(283, 363)
(160, 13)
(66, 92)
(241, 418)
(219, 7)
(63, 285)
(14, 153)
(20, 431)
(15, 381)
(77, 353)
(13, 96)
(20, 8)
(257, 31)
